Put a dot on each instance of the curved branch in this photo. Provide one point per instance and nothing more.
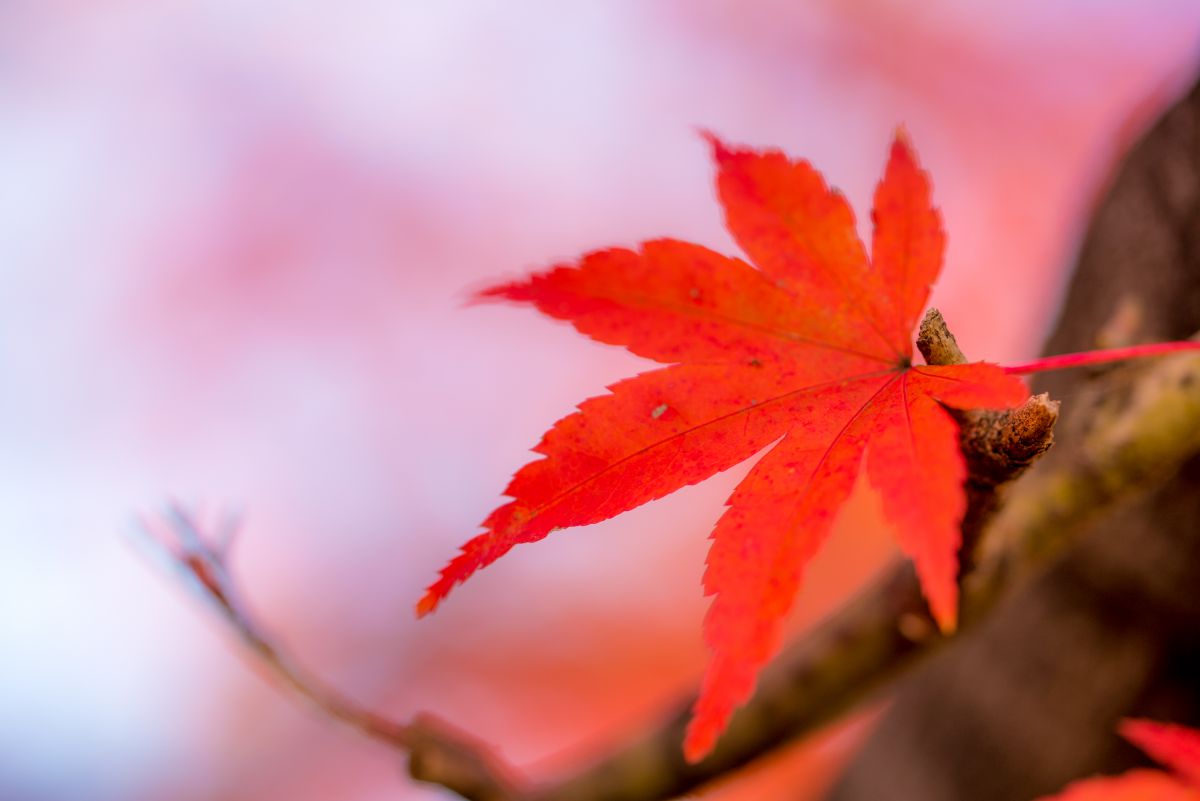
(437, 752)
(861, 647)
(876, 637)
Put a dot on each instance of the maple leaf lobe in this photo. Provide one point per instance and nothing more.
(1177, 747)
(808, 351)
(1134, 785)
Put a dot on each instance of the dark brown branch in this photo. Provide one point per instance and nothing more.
(1134, 440)
(874, 638)
(836, 665)
(885, 630)
(1109, 626)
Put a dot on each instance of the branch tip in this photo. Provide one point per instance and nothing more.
(935, 341)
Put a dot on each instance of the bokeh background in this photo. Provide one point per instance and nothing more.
(235, 242)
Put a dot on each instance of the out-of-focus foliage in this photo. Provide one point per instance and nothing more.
(234, 239)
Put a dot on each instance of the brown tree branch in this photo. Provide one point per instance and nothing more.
(438, 753)
(872, 639)
(883, 632)
(876, 637)
(1108, 627)
(1135, 439)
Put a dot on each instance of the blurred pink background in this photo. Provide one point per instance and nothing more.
(235, 241)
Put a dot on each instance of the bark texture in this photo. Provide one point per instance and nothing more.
(1028, 699)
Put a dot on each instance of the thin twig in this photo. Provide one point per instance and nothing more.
(875, 637)
(437, 752)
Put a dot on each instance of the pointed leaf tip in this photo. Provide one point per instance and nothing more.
(1170, 744)
(903, 156)
(695, 753)
(493, 293)
(947, 618)
(721, 151)
(699, 740)
(432, 598)
(427, 604)
(808, 348)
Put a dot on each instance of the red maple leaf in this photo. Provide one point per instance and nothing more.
(810, 354)
(1177, 747)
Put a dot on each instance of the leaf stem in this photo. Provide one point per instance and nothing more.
(1066, 360)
